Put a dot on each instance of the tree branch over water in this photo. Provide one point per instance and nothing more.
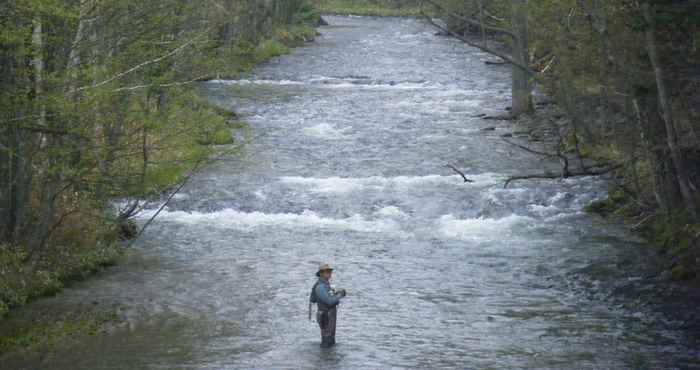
(551, 175)
(486, 49)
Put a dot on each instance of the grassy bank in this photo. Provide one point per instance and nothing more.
(84, 245)
(631, 194)
(45, 329)
(633, 200)
(368, 8)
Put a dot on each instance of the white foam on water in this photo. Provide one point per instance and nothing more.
(496, 195)
(326, 131)
(256, 82)
(391, 212)
(542, 210)
(338, 83)
(479, 228)
(345, 185)
(233, 219)
(559, 196)
(456, 92)
(383, 86)
(332, 80)
(564, 215)
(462, 103)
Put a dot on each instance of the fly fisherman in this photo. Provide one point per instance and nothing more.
(327, 299)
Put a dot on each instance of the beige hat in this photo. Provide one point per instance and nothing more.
(323, 267)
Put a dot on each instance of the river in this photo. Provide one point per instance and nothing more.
(346, 165)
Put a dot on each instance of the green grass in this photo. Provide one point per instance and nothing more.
(362, 7)
(269, 49)
(45, 329)
(58, 267)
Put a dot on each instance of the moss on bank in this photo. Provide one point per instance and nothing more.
(671, 231)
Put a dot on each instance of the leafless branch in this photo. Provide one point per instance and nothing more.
(642, 222)
(552, 175)
(477, 45)
(532, 151)
(459, 172)
(473, 22)
(131, 88)
(506, 117)
(141, 65)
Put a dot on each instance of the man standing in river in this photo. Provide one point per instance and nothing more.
(327, 300)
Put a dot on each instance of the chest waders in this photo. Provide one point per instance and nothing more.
(325, 317)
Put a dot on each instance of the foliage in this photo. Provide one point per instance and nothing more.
(624, 72)
(371, 7)
(98, 102)
(20, 284)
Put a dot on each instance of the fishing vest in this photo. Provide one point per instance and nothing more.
(313, 299)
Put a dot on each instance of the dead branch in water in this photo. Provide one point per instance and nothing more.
(532, 151)
(593, 170)
(506, 117)
(459, 172)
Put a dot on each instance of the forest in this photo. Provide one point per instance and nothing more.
(626, 75)
(99, 104)
(102, 115)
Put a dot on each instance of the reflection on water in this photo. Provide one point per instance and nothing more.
(348, 166)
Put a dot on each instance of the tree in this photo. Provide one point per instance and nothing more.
(522, 89)
(462, 16)
(98, 103)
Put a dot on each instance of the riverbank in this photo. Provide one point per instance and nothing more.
(367, 8)
(81, 254)
(674, 236)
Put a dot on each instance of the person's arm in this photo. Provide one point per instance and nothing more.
(324, 295)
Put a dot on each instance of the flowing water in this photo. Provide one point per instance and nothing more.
(351, 135)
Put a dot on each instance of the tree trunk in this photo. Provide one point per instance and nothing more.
(600, 22)
(48, 186)
(481, 21)
(522, 91)
(679, 165)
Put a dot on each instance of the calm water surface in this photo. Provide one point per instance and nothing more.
(347, 165)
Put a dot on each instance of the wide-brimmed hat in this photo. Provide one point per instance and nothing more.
(323, 267)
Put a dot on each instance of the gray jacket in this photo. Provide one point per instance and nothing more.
(323, 295)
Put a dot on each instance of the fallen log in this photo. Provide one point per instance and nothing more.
(551, 175)
(506, 117)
